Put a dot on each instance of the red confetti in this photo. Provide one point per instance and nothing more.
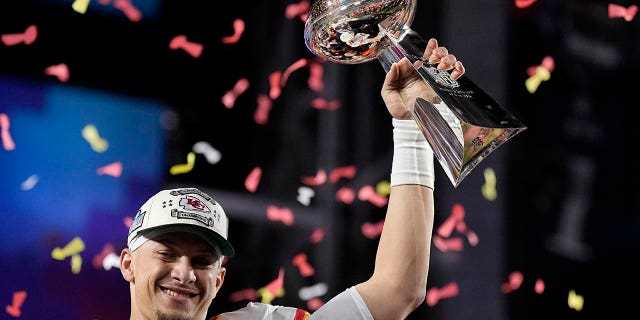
(345, 195)
(112, 169)
(245, 294)
(261, 116)
(238, 30)
(229, 98)
(253, 179)
(315, 77)
(7, 142)
(515, 280)
(367, 193)
(524, 3)
(98, 258)
(297, 9)
(28, 37)
(342, 172)
(318, 179)
(618, 11)
(314, 304)
(60, 71)
(300, 261)
(181, 42)
(18, 299)
(547, 62)
(129, 10)
(457, 215)
(434, 295)
(451, 244)
(274, 85)
(323, 104)
(539, 286)
(317, 236)
(284, 215)
(290, 69)
(372, 230)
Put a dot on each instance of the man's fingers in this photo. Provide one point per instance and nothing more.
(458, 70)
(431, 45)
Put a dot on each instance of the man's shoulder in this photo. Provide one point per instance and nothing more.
(264, 311)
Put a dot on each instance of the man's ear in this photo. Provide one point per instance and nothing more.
(222, 271)
(126, 265)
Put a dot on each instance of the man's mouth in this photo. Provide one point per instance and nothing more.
(178, 294)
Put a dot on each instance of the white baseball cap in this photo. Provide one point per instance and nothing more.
(181, 210)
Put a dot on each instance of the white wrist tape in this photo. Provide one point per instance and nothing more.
(412, 155)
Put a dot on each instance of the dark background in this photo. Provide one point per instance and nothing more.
(564, 212)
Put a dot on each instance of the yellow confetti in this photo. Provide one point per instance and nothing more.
(267, 297)
(575, 301)
(184, 167)
(90, 133)
(383, 188)
(80, 6)
(533, 82)
(72, 248)
(489, 187)
(76, 263)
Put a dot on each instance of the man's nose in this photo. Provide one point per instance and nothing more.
(183, 271)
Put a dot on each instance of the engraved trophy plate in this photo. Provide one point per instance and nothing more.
(462, 130)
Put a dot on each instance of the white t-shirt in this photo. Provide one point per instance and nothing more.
(347, 305)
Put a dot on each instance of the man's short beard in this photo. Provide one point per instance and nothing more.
(165, 316)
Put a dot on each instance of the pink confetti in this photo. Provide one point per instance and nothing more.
(253, 179)
(547, 62)
(60, 71)
(315, 77)
(434, 295)
(238, 29)
(98, 258)
(317, 236)
(284, 215)
(297, 9)
(342, 172)
(229, 98)
(457, 215)
(28, 37)
(318, 179)
(314, 304)
(368, 193)
(274, 85)
(372, 230)
(113, 169)
(129, 10)
(515, 280)
(524, 3)
(261, 116)
(276, 285)
(301, 63)
(451, 244)
(323, 104)
(181, 42)
(18, 299)
(345, 195)
(7, 141)
(539, 286)
(245, 294)
(127, 221)
(300, 261)
(618, 11)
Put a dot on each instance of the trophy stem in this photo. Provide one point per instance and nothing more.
(467, 125)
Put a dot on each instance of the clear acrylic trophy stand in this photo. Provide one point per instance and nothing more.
(464, 128)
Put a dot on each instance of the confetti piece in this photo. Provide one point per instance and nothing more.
(618, 11)
(99, 258)
(180, 42)
(515, 280)
(210, 153)
(304, 195)
(575, 301)
(274, 85)
(372, 230)
(113, 169)
(305, 269)
(76, 263)
(261, 116)
(547, 63)
(345, 195)
(539, 286)
(127, 221)
(367, 193)
(318, 179)
(314, 291)
(273, 289)
(28, 37)
(184, 167)
(90, 133)
(75, 246)
(253, 179)
(18, 300)
(7, 141)
(315, 82)
(342, 172)
(129, 10)
(299, 9)
(30, 182)
(450, 244)
(112, 260)
(60, 71)
(434, 295)
(323, 104)
(488, 188)
(314, 304)
(229, 98)
(245, 294)
(238, 29)
(524, 3)
(533, 82)
(284, 215)
(80, 6)
(383, 188)
(300, 63)
(317, 236)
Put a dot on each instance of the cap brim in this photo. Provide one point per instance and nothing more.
(213, 238)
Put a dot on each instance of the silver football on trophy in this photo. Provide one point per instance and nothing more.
(347, 31)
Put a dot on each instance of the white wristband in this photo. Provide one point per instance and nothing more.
(412, 155)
